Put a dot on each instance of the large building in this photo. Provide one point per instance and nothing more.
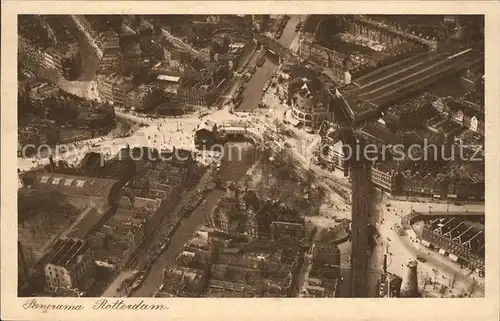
(143, 98)
(61, 62)
(308, 98)
(110, 40)
(308, 109)
(114, 88)
(70, 265)
(460, 239)
(33, 40)
(90, 187)
(64, 56)
(242, 212)
(167, 75)
(120, 236)
(323, 275)
(201, 90)
(111, 59)
(377, 90)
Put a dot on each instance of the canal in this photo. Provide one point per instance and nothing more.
(289, 32)
(253, 89)
(238, 158)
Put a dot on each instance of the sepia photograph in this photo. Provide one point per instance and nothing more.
(164, 156)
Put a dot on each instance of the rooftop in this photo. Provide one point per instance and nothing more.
(92, 218)
(63, 39)
(461, 231)
(468, 109)
(168, 78)
(113, 78)
(141, 93)
(43, 90)
(67, 252)
(73, 185)
(381, 133)
(384, 85)
(124, 221)
(410, 105)
(30, 29)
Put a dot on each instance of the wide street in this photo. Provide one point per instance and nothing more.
(160, 133)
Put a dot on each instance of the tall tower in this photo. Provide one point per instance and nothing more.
(361, 191)
(409, 286)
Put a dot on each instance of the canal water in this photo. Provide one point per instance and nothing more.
(238, 158)
(253, 89)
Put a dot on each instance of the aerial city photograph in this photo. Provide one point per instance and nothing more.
(251, 156)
